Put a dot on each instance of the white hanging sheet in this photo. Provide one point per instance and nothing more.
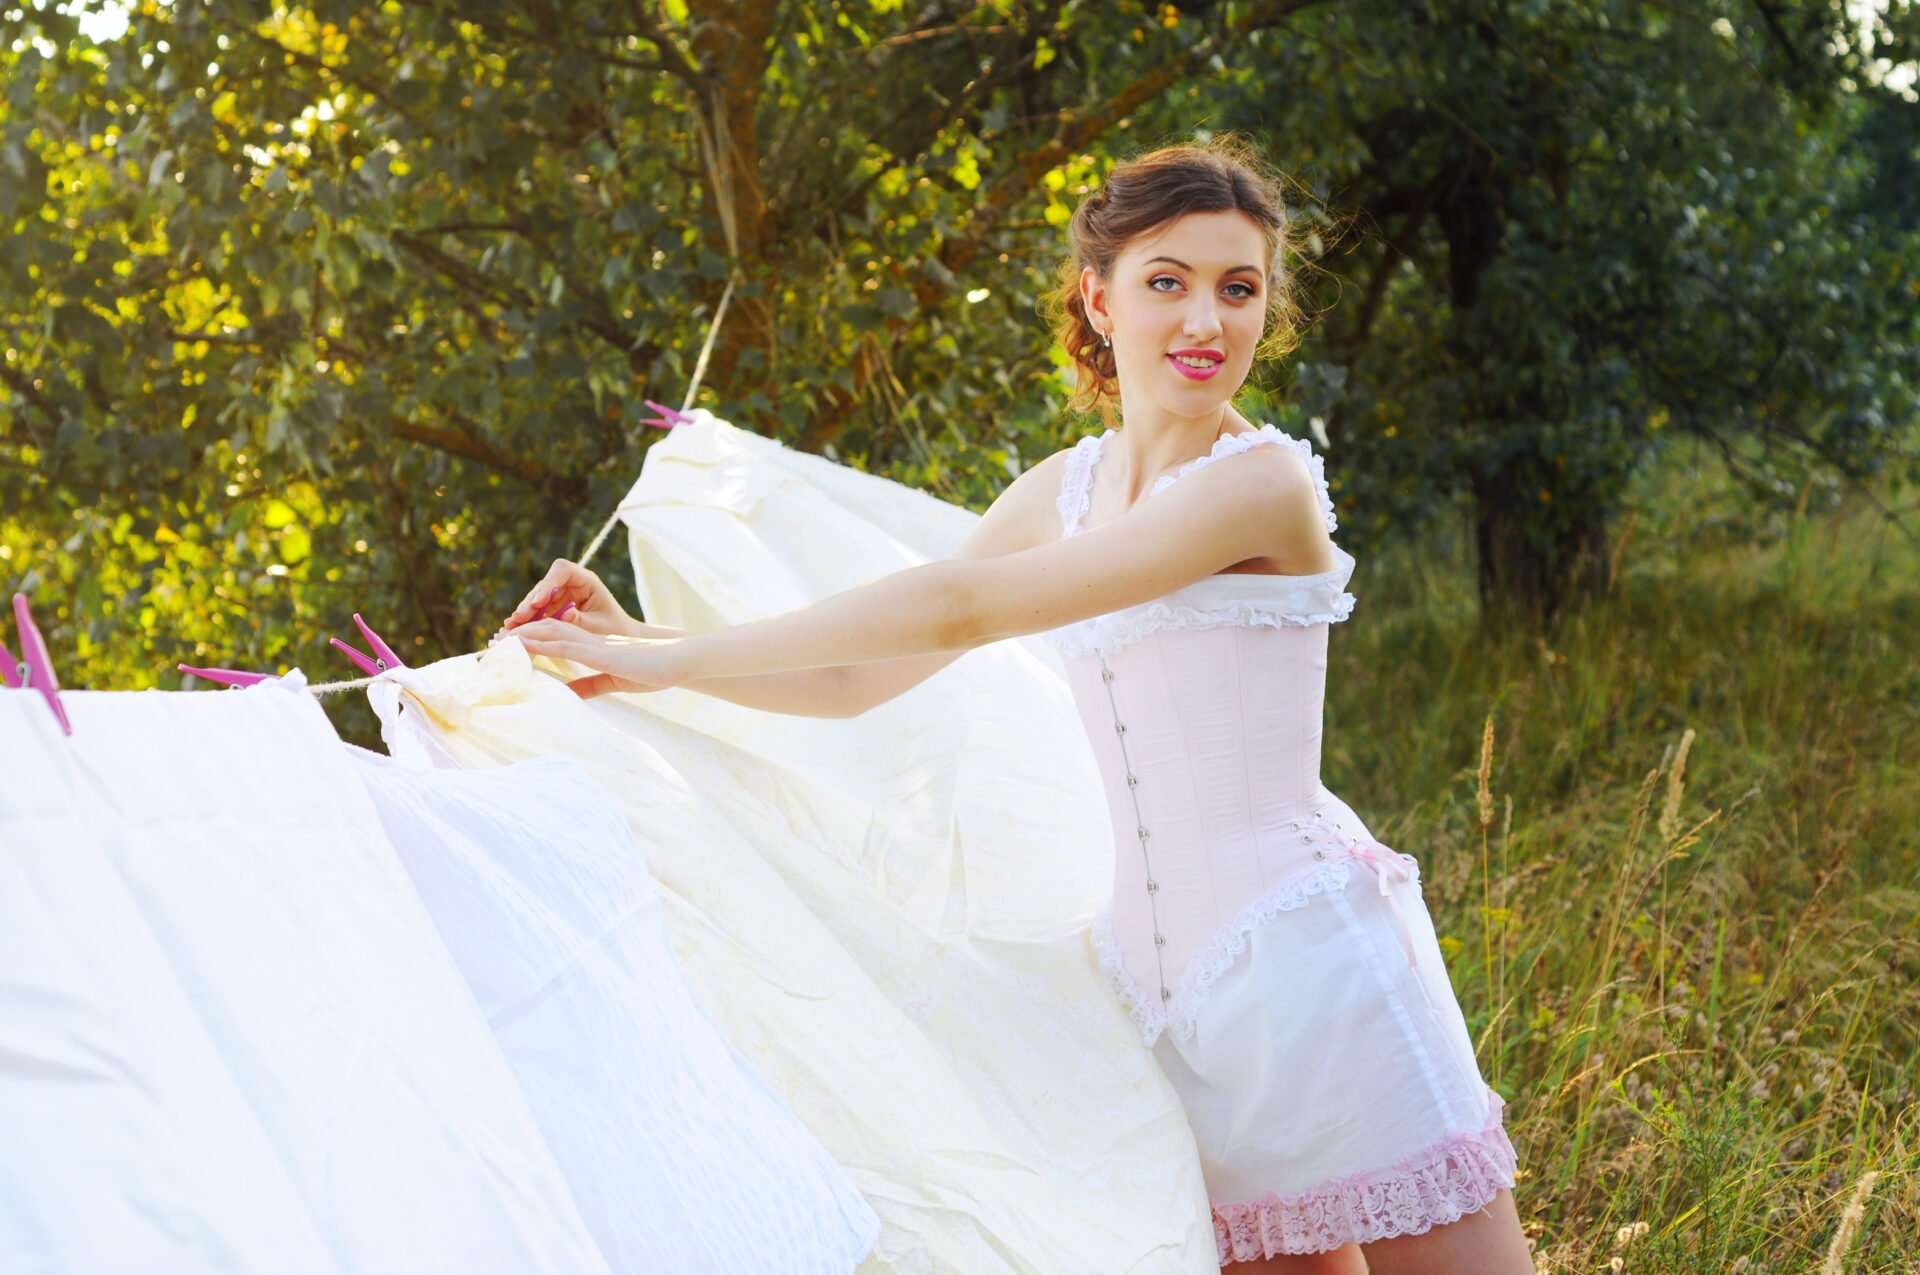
(887, 914)
(230, 1038)
(680, 1156)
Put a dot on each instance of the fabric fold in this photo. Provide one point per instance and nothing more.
(679, 1155)
(889, 915)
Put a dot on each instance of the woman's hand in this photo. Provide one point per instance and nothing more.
(623, 662)
(593, 606)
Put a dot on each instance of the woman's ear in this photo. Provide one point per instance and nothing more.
(1093, 299)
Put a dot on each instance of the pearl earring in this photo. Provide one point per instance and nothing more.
(1106, 339)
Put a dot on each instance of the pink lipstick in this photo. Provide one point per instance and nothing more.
(1196, 373)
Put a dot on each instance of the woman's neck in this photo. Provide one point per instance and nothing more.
(1159, 444)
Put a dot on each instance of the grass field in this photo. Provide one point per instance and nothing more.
(1674, 856)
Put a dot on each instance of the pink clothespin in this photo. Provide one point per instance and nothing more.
(36, 666)
(227, 676)
(666, 417)
(540, 612)
(379, 661)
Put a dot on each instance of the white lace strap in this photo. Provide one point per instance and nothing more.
(1316, 466)
(1234, 444)
(1076, 484)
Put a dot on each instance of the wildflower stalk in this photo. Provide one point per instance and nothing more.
(1843, 1234)
(1484, 799)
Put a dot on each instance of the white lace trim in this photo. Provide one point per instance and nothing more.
(1180, 1013)
(1264, 601)
(1076, 486)
(1123, 628)
(1234, 444)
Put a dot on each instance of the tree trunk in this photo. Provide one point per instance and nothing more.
(1533, 568)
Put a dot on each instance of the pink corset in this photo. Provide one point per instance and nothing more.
(1204, 709)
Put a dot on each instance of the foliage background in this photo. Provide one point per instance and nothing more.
(308, 310)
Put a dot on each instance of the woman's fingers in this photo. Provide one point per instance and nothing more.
(548, 588)
(532, 608)
(565, 584)
(550, 630)
(568, 614)
(564, 640)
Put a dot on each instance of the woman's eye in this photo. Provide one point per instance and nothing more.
(1250, 290)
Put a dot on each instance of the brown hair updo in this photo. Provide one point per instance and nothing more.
(1142, 194)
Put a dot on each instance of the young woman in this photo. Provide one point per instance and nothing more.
(1278, 960)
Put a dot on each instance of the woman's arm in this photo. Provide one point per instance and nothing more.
(844, 690)
(583, 600)
(1257, 504)
(807, 692)
(1021, 516)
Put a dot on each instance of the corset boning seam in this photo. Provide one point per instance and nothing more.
(1146, 859)
(1180, 1012)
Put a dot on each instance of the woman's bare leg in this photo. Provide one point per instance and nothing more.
(1489, 1242)
(1345, 1260)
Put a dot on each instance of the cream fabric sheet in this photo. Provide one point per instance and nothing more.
(888, 915)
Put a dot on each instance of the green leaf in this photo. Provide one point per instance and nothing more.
(295, 545)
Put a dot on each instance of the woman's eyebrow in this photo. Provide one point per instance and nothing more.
(1184, 266)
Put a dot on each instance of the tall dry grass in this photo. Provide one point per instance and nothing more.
(1674, 855)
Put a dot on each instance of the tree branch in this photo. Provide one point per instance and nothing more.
(657, 34)
(457, 442)
(502, 293)
(23, 385)
(245, 340)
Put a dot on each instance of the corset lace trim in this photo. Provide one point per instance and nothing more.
(1180, 1013)
(1076, 485)
(1234, 444)
(1248, 601)
(1123, 628)
(1433, 1187)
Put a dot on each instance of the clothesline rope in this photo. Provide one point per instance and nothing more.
(693, 388)
(334, 688)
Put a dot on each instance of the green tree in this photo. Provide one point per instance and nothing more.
(311, 309)
(1596, 223)
(333, 306)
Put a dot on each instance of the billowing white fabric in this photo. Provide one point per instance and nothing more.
(230, 1039)
(889, 915)
(680, 1157)
(988, 1097)
(727, 526)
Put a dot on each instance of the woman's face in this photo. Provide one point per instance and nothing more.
(1196, 287)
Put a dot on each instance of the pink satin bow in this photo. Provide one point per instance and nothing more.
(1389, 868)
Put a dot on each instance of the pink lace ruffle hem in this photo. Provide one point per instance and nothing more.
(1438, 1185)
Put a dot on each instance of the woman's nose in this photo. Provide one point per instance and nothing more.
(1203, 320)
